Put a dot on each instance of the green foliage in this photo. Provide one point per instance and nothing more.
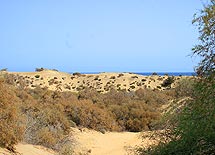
(205, 21)
(193, 129)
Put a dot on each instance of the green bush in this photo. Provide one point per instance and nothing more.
(192, 129)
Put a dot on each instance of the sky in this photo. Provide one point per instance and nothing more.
(98, 35)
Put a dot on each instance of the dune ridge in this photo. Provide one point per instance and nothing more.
(102, 82)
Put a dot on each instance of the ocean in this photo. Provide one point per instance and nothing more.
(158, 73)
(169, 73)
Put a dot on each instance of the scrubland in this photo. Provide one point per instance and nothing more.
(41, 116)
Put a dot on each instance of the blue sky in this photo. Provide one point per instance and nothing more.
(98, 35)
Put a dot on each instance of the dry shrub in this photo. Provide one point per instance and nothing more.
(131, 112)
(116, 97)
(15, 80)
(67, 150)
(50, 114)
(11, 127)
(167, 82)
(152, 97)
(134, 116)
(185, 87)
(47, 122)
(85, 113)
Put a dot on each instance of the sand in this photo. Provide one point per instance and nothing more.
(110, 143)
(91, 142)
(28, 149)
(102, 82)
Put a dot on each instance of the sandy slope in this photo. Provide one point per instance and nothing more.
(90, 142)
(27, 149)
(110, 143)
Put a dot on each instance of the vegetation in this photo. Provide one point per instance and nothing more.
(37, 76)
(39, 69)
(3, 69)
(11, 127)
(191, 130)
(77, 74)
(167, 82)
(43, 117)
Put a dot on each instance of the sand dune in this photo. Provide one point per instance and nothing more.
(102, 82)
(28, 149)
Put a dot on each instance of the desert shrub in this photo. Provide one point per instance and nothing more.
(132, 87)
(55, 70)
(39, 69)
(11, 126)
(37, 76)
(67, 149)
(112, 77)
(131, 111)
(77, 74)
(3, 69)
(85, 113)
(134, 77)
(15, 80)
(46, 122)
(134, 116)
(152, 97)
(36, 116)
(185, 87)
(96, 78)
(90, 94)
(51, 127)
(120, 75)
(116, 97)
(167, 82)
(9, 78)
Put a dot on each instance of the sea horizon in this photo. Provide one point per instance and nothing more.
(149, 73)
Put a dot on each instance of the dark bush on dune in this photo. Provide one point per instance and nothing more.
(167, 82)
(39, 69)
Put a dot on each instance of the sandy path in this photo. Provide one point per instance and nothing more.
(90, 142)
(110, 143)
